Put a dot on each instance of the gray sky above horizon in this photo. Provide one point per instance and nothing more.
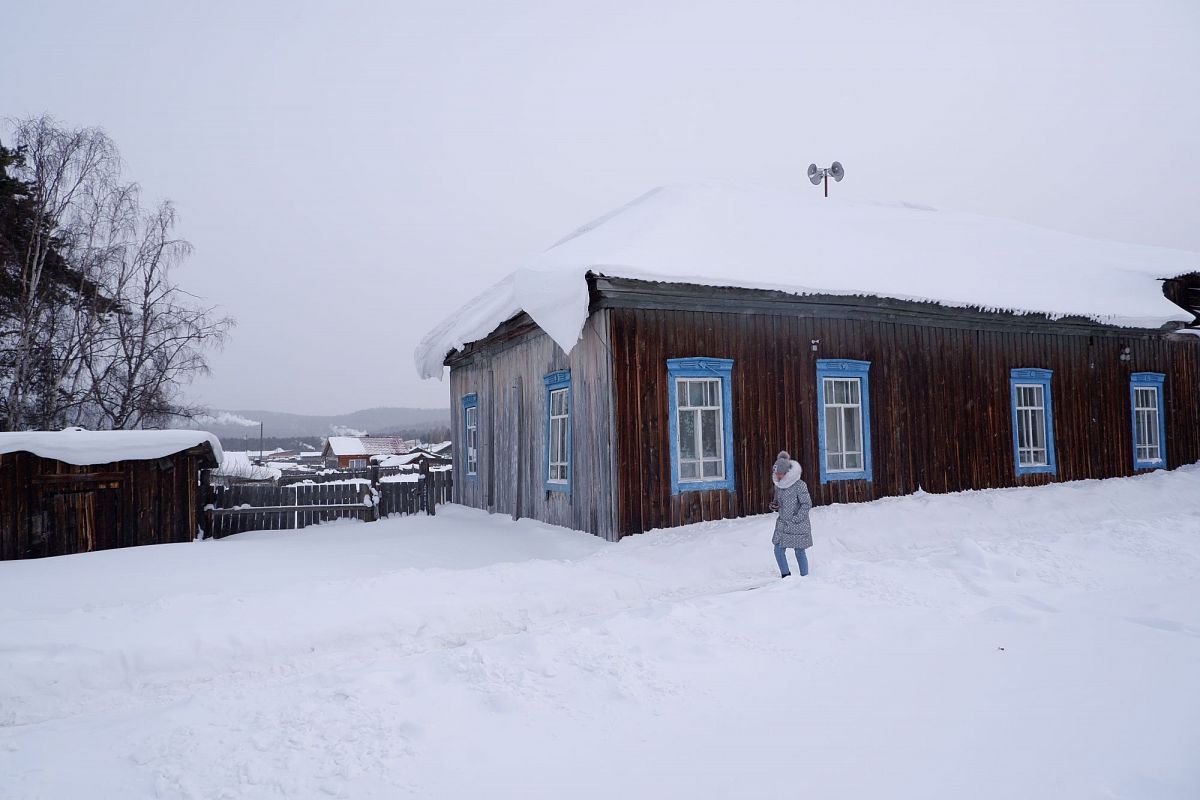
(351, 173)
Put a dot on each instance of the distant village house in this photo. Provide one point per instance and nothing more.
(354, 452)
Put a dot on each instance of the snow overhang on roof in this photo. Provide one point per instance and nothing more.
(81, 447)
(803, 244)
(346, 446)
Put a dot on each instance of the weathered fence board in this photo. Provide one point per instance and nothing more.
(255, 507)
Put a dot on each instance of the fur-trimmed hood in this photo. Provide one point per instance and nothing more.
(789, 479)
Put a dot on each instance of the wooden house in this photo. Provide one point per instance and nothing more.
(74, 491)
(354, 452)
(645, 371)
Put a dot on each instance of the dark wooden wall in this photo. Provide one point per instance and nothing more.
(940, 406)
(50, 508)
(505, 372)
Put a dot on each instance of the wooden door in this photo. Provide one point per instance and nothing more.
(82, 521)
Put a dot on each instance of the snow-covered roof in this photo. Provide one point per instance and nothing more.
(368, 445)
(800, 242)
(237, 464)
(345, 446)
(80, 447)
(399, 460)
(404, 459)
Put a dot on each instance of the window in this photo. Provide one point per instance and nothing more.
(699, 394)
(844, 419)
(1033, 421)
(558, 431)
(470, 404)
(1145, 399)
(358, 463)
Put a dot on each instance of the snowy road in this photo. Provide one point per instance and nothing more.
(1017, 643)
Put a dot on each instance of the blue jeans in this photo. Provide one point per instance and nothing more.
(801, 561)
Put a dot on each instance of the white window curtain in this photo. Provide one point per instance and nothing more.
(559, 413)
(1145, 416)
(843, 425)
(1031, 425)
(701, 429)
(472, 423)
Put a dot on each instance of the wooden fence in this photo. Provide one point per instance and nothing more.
(331, 475)
(259, 507)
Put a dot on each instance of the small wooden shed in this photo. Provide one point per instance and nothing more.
(74, 491)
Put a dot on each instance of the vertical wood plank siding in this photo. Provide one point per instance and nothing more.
(940, 409)
(49, 508)
(507, 377)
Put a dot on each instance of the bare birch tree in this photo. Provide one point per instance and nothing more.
(96, 332)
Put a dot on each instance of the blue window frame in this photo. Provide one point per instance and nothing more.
(700, 400)
(1032, 421)
(558, 432)
(844, 419)
(1149, 428)
(470, 457)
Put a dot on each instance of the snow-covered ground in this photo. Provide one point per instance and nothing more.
(1035, 643)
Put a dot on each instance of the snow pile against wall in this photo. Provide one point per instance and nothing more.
(80, 447)
(801, 243)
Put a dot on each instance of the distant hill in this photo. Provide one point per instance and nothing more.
(276, 424)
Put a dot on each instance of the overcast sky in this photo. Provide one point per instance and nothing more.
(350, 173)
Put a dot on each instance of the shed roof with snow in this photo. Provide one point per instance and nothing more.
(83, 447)
(795, 242)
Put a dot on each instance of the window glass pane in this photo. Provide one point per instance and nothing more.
(687, 434)
(833, 430)
(687, 469)
(713, 469)
(696, 393)
(854, 461)
(562, 440)
(834, 461)
(853, 422)
(709, 434)
(1038, 429)
(855, 386)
